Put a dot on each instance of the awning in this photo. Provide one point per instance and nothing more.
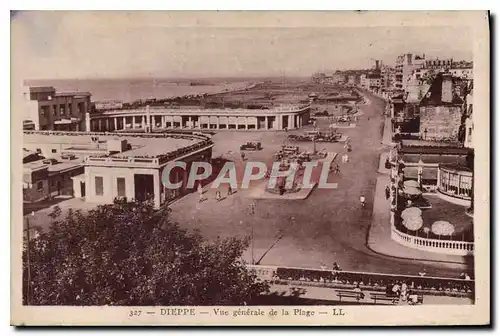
(427, 173)
(65, 122)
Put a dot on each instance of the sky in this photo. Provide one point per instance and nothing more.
(57, 45)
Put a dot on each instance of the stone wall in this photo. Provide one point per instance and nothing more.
(441, 122)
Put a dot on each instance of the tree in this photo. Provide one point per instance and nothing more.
(128, 254)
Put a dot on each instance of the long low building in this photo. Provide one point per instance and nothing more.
(121, 165)
(150, 118)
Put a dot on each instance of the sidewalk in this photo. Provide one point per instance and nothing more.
(330, 294)
(381, 165)
(379, 238)
(387, 137)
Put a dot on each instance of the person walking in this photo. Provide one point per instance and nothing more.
(362, 200)
(404, 292)
(200, 193)
(387, 192)
(358, 290)
(229, 190)
(218, 196)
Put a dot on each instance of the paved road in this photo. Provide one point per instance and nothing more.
(329, 226)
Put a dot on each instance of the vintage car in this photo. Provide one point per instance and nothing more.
(289, 149)
(251, 145)
(344, 119)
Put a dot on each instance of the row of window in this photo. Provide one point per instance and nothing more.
(120, 186)
(454, 183)
(44, 110)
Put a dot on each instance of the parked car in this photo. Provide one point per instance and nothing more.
(50, 161)
(251, 145)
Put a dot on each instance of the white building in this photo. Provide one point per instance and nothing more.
(149, 118)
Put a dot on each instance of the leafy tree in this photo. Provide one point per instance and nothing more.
(128, 254)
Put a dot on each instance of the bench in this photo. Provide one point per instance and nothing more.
(351, 294)
(420, 300)
(383, 297)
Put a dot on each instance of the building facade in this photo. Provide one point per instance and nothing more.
(406, 64)
(441, 109)
(150, 118)
(46, 109)
(122, 165)
(45, 179)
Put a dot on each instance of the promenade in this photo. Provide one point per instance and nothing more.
(328, 296)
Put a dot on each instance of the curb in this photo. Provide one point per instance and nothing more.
(368, 245)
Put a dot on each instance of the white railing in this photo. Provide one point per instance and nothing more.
(451, 247)
(156, 110)
(195, 135)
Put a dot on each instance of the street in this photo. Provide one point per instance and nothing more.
(329, 226)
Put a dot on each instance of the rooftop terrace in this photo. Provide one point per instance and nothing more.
(148, 146)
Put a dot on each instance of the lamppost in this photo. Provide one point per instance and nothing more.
(252, 212)
(420, 172)
(28, 258)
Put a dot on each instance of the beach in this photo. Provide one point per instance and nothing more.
(128, 90)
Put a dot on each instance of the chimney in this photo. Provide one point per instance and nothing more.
(409, 58)
(377, 65)
(447, 89)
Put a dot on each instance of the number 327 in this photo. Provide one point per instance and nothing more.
(134, 313)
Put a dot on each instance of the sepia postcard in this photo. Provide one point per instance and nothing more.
(250, 168)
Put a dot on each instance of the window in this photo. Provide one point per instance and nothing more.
(54, 150)
(39, 186)
(99, 186)
(120, 186)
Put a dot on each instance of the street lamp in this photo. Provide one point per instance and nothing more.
(420, 172)
(28, 258)
(252, 212)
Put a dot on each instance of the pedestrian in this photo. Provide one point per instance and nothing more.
(357, 289)
(218, 196)
(229, 190)
(412, 298)
(404, 292)
(337, 169)
(388, 289)
(396, 291)
(242, 156)
(387, 192)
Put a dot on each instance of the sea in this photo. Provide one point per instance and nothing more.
(128, 90)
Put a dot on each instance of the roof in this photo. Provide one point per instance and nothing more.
(143, 145)
(155, 146)
(71, 94)
(455, 167)
(435, 93)
(40, 89)
(427, 173)
(435, 150)
(427, 143)
(34, 165)
(412, 159)
(59, 167)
